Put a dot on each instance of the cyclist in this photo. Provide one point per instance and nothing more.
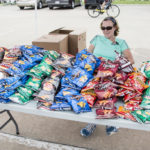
(103, 4)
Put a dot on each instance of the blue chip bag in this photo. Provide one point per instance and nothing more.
(87, 61)
(79, 104)
(4, 100)
(2, 83)
(33, 58)
(24, 79)
(65, 92)
(30, 49)
(13, 86)
(24, 64)
(14, 71)
(11, 80)
(79, 77)
(6, 94)
(61, 106)
(65, 82)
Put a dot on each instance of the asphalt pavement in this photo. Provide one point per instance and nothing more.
(19, 27)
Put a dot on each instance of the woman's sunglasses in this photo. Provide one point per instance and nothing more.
(107, 28)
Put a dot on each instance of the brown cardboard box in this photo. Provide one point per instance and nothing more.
(58, 42)
(76, 39)
(64, 40)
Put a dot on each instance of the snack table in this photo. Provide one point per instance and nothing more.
(88, 117)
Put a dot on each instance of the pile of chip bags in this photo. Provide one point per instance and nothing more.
(75, 79)
(59, 81)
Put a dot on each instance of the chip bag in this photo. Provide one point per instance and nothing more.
(105, 90)
(142, 116)
(25, 91)
(53, 55)
(90, 99)
(104, 104)
(78, 103)
(146, 99)
(105, 114)
(124, 114)
(33, 83)
(18, 98)
(61, 106)
(124, 64)
(65, 92)
(107, 69)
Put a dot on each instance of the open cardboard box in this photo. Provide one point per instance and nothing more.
(76, 38)
(63, 40)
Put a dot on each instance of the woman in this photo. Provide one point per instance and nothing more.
(105, 46)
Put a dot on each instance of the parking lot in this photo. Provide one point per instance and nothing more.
(19, 27)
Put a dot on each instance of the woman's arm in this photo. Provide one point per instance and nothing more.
(127, 54)
(91, 48)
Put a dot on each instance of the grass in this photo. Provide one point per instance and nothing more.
(131, 2)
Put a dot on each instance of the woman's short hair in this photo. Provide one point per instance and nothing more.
(115, 24)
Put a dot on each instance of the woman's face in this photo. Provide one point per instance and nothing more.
(108, 29)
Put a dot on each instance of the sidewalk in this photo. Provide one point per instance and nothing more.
(12, 142)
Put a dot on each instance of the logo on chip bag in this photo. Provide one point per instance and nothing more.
(88, 67)
(84, 56)
(48, 61)
(83, 78)
(81, 104)
(21, 62)
(66, 93)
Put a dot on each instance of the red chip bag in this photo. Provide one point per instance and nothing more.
(125, 114)
(131, 95)
(120, 77)
(104, 104)
(138, 81)
(137, 99)
(90, 85)
(90, 99)
(132, 106)
(105, 114)
(107, 69)
(122, 92)
(105, 90)
(124, 64)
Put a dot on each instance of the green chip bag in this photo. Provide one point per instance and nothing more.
(142, 116)
(52, 54)
(18, 98)
(33, 83)
(147, 69)
(146, 99)
(45, 66)
(25, 91)
(35, 72)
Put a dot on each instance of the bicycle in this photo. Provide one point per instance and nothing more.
(111, 10)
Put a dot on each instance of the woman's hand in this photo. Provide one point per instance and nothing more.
(91, 48)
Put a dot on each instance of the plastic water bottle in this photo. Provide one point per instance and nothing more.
(88, 130)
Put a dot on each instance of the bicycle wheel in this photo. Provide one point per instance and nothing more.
(113, 11)
(93, 11)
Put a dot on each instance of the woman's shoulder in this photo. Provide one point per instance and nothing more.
(120, 40)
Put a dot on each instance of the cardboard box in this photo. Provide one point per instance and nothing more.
(76, 38)
(58, 42)
(64, 40)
